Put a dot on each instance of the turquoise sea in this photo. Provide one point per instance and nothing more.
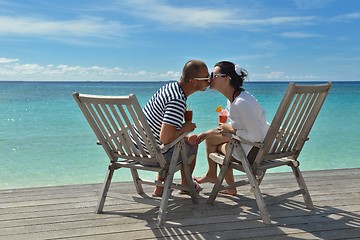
(45, 140)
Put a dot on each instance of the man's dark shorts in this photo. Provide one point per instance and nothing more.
(190, 150)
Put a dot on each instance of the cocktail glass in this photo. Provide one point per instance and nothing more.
(188, 114)
(223, 115)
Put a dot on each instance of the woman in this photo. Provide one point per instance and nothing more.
(246, 118)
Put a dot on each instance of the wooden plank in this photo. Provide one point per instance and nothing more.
(68, 212)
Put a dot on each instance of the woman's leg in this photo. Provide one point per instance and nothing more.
(212, 144)
(229, 176)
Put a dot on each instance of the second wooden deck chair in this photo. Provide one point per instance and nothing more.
(122, 130)
(282, 145)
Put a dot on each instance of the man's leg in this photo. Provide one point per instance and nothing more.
(191, 152)
(158, 191)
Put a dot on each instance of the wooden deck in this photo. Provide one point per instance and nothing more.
(68, 212)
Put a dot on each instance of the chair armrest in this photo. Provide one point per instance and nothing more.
(232, 135)
(165, 147)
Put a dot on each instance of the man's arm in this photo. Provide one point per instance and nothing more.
(169, 133)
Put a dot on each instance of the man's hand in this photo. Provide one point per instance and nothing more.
(188, 127)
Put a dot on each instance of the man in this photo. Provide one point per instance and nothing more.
(165, 112)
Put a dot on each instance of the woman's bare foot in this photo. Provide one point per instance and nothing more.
(231, 192)
(158, 191)
(205, 179)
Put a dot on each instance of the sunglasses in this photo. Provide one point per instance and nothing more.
(215, 75)
(203, 79)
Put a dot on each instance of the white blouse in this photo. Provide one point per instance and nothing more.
(248, 118)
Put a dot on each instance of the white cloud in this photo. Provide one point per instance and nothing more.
(277, 21)
(205, 17)
(170, 74)
(347, 17)
(181, 16)
(61, 29)
(311, 4)
(8, 60)
(279, 75)
(178, 17)
(303, 77)
(268, 76)
(14, 70)
(300, 35)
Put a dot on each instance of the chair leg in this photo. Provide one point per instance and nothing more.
(254, 186)
(135, 177)
(258, 196)
(190, 182)
(301, 182)
(260, 177)
(220, 178)
(105, 188)
(167, 186)
(218, 183)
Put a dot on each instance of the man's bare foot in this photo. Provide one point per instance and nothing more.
(198, 188)
(158, 191)
(231, 192)
(205, 179)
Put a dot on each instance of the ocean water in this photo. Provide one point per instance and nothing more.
(46, 141)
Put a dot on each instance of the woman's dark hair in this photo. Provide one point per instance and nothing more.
(236, 80)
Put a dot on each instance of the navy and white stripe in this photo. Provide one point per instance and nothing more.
(167, 105)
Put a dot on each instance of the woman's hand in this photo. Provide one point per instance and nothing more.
(202, 136)
(224, 127)
(192, 139)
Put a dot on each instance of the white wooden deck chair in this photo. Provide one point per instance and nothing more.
(113, 120)
(282, 145)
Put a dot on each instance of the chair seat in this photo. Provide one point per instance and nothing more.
(137, 165)
(265, 164)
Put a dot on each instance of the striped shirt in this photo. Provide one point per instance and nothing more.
(167, 105)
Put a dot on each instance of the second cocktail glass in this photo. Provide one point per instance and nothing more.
(223, 116)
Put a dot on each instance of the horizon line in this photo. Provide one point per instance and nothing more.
(158, 81)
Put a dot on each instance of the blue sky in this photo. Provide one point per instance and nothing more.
(83, 40)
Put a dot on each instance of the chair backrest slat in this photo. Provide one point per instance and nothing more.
(306, 109)
(141, 131)
(296, 118)
(97, 117)
(120, 131)
(293, 121)
(113, 120)
(283, 132)
(144, 129)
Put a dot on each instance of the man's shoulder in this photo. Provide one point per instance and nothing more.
(174, 92)
(172, 85)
